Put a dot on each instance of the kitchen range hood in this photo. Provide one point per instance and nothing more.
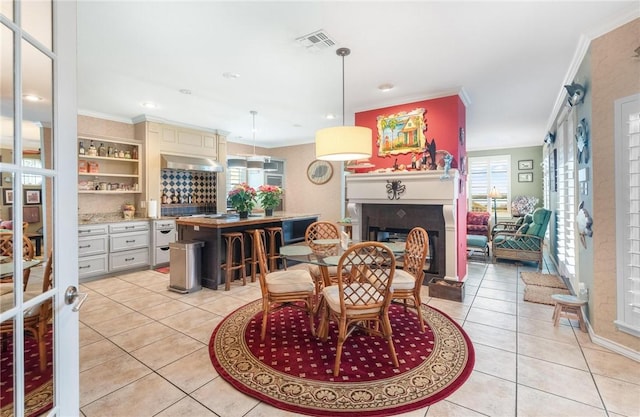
(190, 163)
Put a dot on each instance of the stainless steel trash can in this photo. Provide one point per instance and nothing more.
(185, 256)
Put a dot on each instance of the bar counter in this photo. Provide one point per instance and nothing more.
(210, 232)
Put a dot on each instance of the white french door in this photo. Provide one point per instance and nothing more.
(38, 119)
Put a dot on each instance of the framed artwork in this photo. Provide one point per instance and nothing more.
(525, 164)
(7, 196)
(525, 177)
(401, 132)
(32, 197)
(319, 172)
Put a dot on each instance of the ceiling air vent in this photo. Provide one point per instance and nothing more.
(316, 41)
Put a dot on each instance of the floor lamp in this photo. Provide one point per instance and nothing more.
(494, 194)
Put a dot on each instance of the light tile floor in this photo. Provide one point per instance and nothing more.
(143, 352)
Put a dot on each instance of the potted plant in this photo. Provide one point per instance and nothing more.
(242, 198)
(128, 210)
(269, 197)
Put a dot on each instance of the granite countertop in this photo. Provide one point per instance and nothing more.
(235, 221)
(115, 217)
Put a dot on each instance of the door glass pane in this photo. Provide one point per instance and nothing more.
(37, 214)
(37, 103)
(6, 8)
(6, 95)
(36, 20)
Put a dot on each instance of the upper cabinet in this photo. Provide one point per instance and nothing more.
(108, 165)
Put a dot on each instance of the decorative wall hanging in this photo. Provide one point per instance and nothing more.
(401, 133)
(461, 136)
(395, 189)
(576, 93)
(582, 142)
(550, 138)
(525, 177)
(319, 172)
(525, 164)
(584, 223)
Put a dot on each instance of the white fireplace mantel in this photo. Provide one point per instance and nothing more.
(420, 188)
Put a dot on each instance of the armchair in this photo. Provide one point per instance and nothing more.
(478, 223)
(511, 226)
(526, 243)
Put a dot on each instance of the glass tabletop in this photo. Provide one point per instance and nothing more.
(301, 252)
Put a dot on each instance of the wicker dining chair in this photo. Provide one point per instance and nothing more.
(282, 288)
(6, 249)
(361, 297)
(407, 281)
(37, 318)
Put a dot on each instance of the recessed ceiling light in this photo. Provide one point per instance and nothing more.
(330, 116)
(231, 75)
(297, 125)
(185, 91)
(385, 87)
(32, 97)
(149, 105)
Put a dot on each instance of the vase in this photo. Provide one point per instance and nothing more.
(244, 214)
(268, 212)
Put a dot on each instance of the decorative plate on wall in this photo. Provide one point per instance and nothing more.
(319, 172)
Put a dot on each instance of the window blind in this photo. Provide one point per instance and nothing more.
(565, 215)
(484, 174)
(628, 214)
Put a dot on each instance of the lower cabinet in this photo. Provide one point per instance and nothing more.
(112, 247)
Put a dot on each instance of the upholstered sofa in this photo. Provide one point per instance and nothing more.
(526, 243)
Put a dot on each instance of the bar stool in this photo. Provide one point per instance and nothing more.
(272, 254)
(568, 306)
(232, 240)
(252, 259)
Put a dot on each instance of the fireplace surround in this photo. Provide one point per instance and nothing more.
(399, 201)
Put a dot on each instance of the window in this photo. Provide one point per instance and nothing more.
(627, 140)
(566, 210)
(31, 179)
(235, 176)
(485, 173)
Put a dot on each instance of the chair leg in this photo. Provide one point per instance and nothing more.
(312, 325)
(418, 301)
(341, 337)
(388, 332)
(265, 316)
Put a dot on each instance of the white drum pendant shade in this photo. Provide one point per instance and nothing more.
(343, 143)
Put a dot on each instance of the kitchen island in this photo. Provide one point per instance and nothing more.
(210, 230)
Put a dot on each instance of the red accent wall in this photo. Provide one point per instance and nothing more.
(444, 117)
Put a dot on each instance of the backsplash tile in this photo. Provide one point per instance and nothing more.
(200, 185)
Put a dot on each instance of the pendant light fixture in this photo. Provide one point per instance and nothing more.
(254, 162)
(343, 143)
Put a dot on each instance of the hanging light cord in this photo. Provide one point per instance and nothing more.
(253, 113)
(343, 52)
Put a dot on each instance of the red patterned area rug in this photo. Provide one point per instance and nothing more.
(163, 269)
(38, 385)
(293, 370)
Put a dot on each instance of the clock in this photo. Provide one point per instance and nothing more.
(319, 172)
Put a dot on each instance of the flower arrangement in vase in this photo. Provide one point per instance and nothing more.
(242, 198)
(269, 197)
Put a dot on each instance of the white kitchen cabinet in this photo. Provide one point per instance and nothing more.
(112, 247)
(93, 247)
(164, 232)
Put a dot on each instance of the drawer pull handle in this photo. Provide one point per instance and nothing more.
(84, 231)
(166, 248)
(130, 241)
(129, 259)
(164, 232)
(84, 267)
(129, 227)
(85, 246)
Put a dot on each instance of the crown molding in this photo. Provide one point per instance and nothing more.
(459, 91)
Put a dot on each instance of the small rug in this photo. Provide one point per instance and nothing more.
(38, 385)
(292, 370)
(163, 269)
(544, 280)
(542, 295)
